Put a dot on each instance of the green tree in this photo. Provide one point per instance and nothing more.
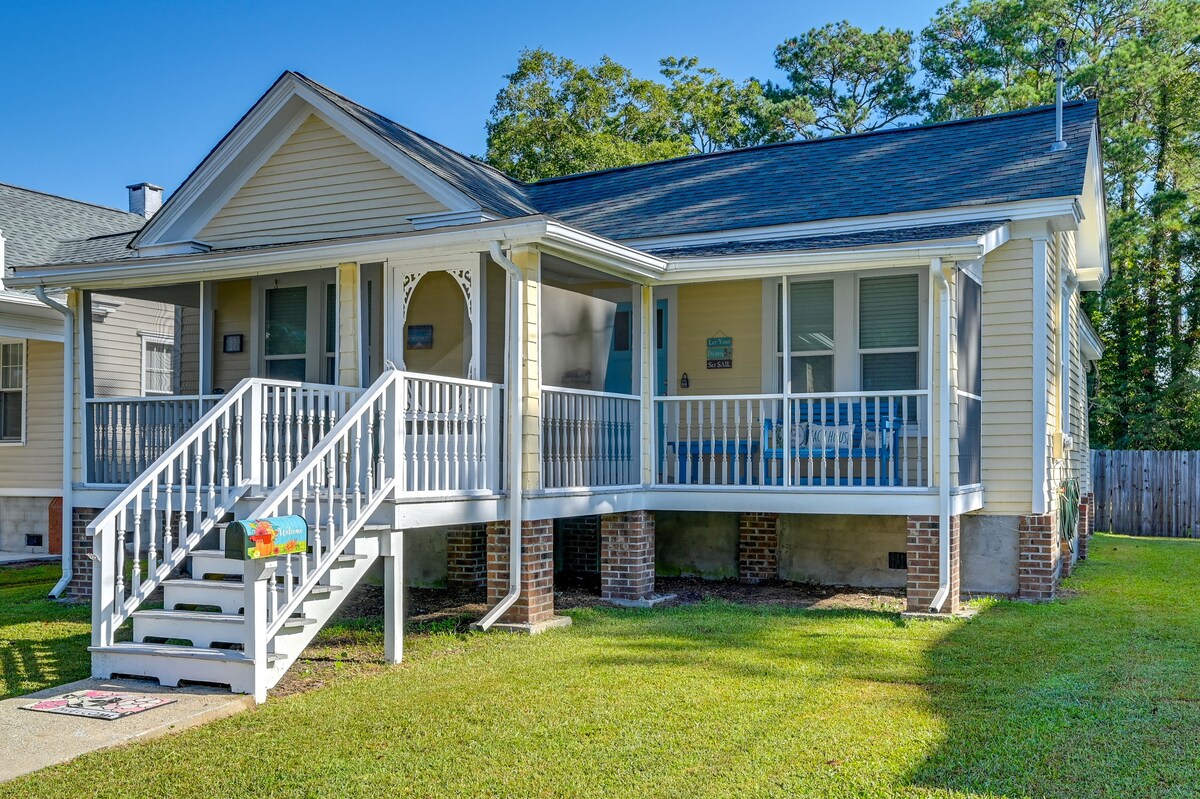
(1141, 59)
(555, 117)
(853, 81)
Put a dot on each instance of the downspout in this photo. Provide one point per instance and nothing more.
(68, 454)
(515, 375)
(938, 275)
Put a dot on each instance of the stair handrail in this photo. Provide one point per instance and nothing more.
(336, 462)
(220, 443)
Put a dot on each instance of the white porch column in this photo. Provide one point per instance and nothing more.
(205, 360)
(646, 387)
(349, 314)
(393, 596)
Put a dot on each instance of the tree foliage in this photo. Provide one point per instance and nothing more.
(853, 81)
(556, 117)
(1141, 59)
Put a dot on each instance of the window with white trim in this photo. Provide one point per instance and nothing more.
(12, 391)
(158, 373)
(853, 332)
(889, 333)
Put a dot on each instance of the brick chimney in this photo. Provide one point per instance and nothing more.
(144, 199)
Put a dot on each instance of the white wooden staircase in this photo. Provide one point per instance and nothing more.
(244, 623)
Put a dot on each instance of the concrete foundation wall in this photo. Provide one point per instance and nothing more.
(696, 544)
(424, 559)
(989, 554)
(841, 550)
(22, 515)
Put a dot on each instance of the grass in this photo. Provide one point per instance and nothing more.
(42, 642)
(1096, 695)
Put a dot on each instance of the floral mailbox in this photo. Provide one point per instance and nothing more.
(272, 537)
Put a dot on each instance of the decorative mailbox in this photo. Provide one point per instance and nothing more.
(272, 537)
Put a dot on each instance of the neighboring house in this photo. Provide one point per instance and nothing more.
(131, 338)
(853, 360)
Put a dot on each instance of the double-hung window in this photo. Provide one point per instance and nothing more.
(889, 333)
(811, 327)
(157, 367)
(852, 332)
(12, 391)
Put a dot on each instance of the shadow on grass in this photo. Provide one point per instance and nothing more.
(31, 665)
(1093, 695)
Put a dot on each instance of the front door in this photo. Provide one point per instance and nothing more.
(618, 378)
(300, 329)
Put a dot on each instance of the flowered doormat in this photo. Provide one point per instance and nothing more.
(108, 705)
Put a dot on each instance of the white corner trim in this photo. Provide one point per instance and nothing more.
(1040, 500)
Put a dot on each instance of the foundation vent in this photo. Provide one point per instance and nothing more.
(898, 560)
(33, 539)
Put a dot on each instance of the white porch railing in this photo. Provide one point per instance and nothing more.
(590, 439)
(831, 440)
(451, 437)
(128, 434)
(166, 510)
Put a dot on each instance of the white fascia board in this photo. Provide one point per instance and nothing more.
(1090, 346)
(817, 261)
(218, 165)
(1057, 207)
(1092, 243)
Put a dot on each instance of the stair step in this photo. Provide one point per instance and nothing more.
(169, 664)
(177, 651)
(202, 629)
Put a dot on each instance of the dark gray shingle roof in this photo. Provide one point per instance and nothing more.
(36, 224)
(995, 159)
(992, 159)
(865, 238)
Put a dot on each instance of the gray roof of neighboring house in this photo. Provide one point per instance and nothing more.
(865, 238)
(36, 224)
(993, 159)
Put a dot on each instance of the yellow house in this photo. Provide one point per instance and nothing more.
(854, 360)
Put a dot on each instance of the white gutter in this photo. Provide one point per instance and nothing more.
(515, 383)
(938, 275)
(68, 454)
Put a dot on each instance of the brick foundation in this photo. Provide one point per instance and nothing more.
(579, 543)
(466, 556)
(536, 602)
(924, 549)
(1087, 523)
(627, 556)
(1040, 557)
(758, 547)
(80, 587)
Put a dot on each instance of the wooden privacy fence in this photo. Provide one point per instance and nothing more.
(1147, 492)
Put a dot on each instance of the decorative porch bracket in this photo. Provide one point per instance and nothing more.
(467, 279)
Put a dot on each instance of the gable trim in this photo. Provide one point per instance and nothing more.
(181, 215)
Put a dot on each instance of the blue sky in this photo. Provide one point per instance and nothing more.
(97, 95)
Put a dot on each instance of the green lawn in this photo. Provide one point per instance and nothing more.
(1097, 695)
(42, 643)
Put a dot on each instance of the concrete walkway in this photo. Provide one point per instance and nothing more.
(31, 741)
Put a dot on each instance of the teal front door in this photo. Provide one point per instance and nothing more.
(618, 378)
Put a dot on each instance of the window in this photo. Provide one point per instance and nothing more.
(811, 323)
(12, 391)
(889, 333)
(157, 367)
(287, 332)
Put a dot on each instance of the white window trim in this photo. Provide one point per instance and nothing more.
(153, 338)
(847, 353)
(24, 392)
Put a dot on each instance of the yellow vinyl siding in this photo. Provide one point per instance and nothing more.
(714, 309)
(495, 315)
(317, 185)
(1008, 377)
(438, 301)
(231, 314)
(38, 464)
